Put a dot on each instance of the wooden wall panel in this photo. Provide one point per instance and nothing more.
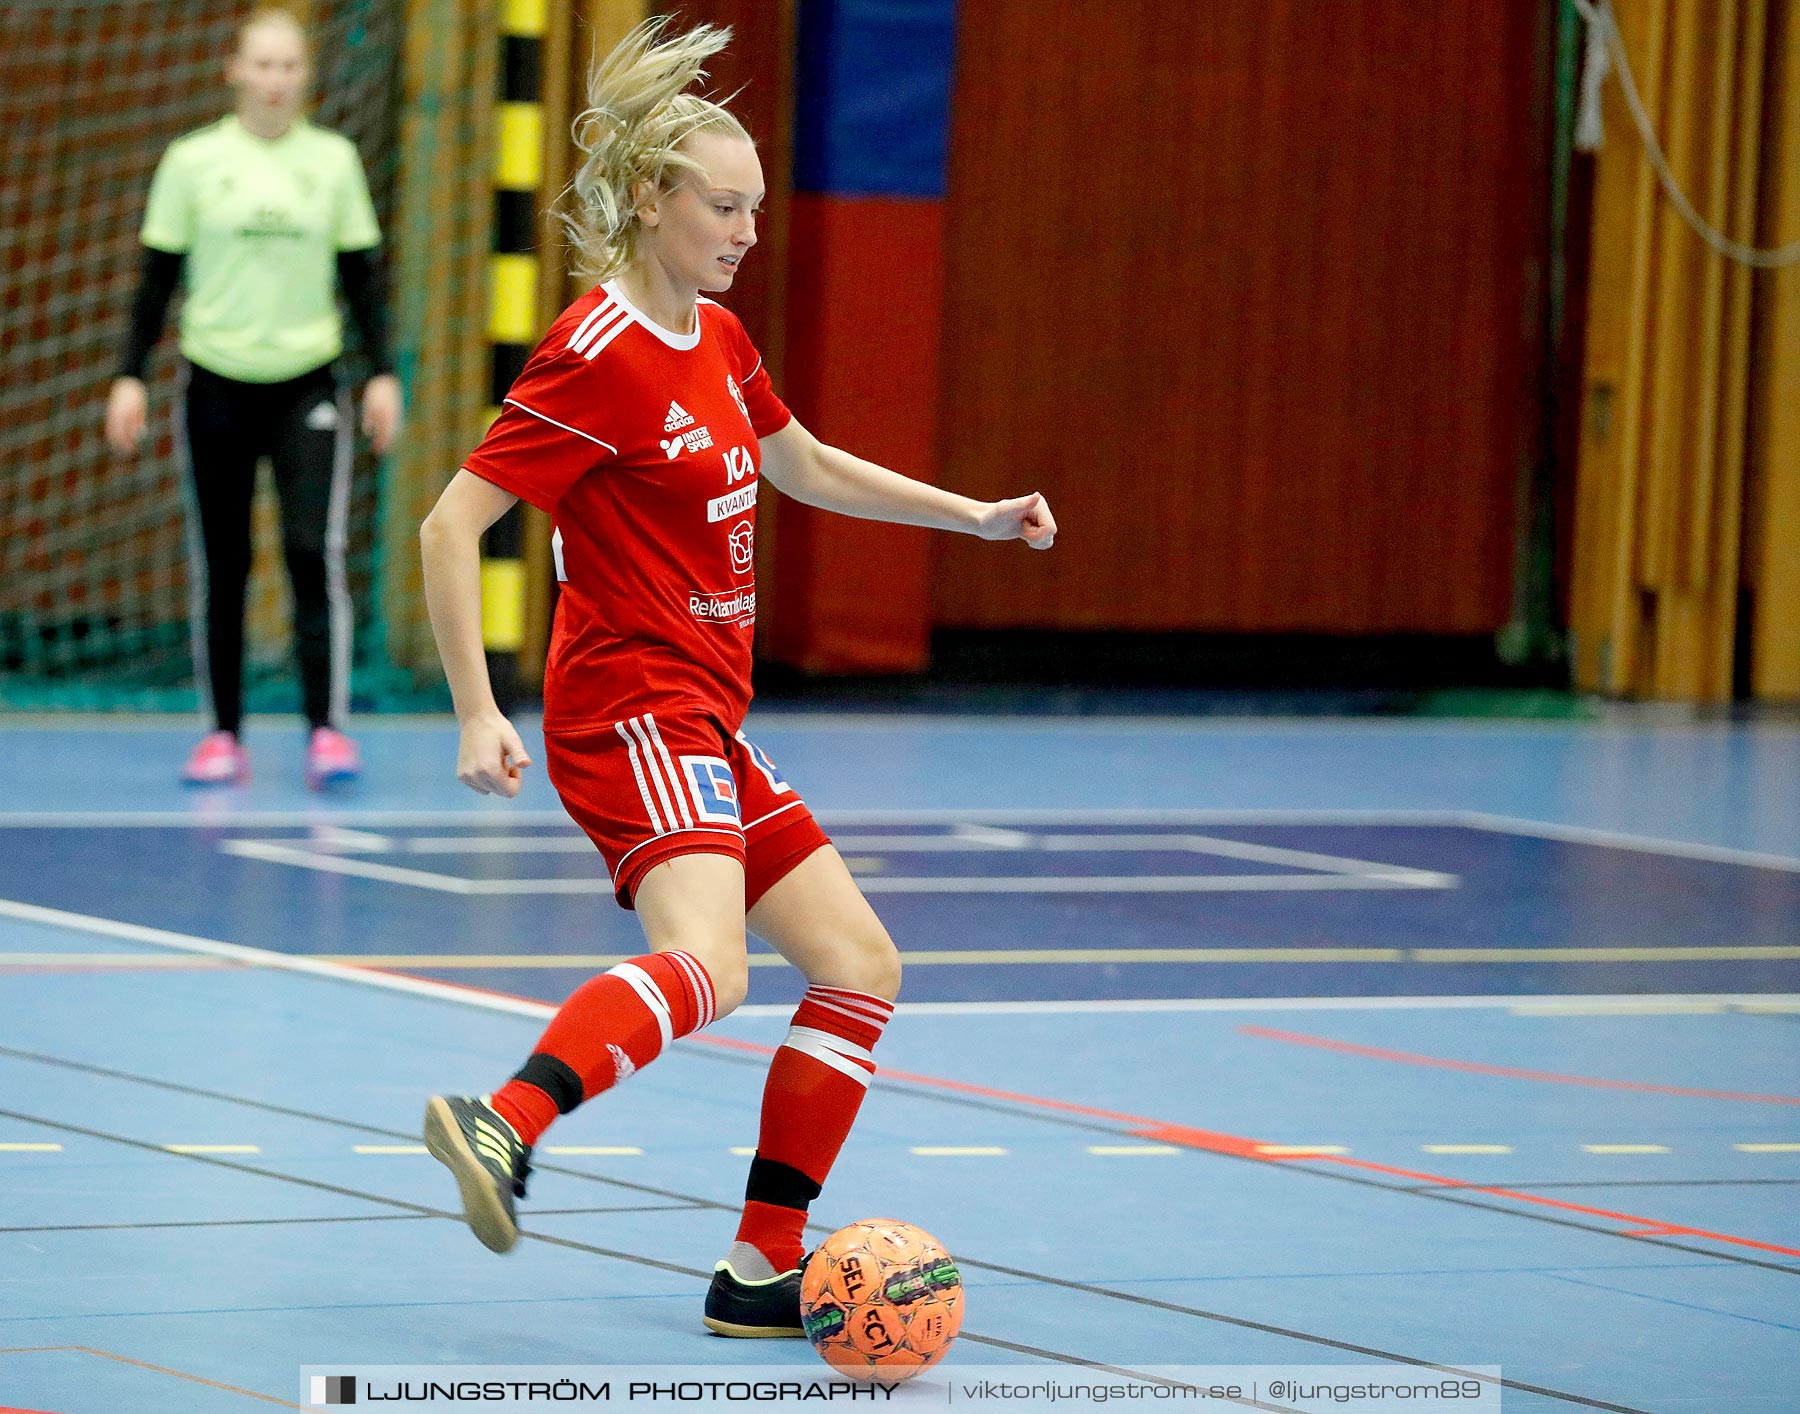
(1244, 290)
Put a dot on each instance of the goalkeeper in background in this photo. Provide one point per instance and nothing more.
(262, 215)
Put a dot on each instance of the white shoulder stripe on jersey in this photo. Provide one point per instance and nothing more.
(637, 769)
(608, 337)
(752, 373)
(545, 417)
(584, 331)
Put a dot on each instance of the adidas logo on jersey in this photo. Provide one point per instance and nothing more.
(678, 418)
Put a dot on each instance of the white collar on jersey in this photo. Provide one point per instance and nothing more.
(668, 336)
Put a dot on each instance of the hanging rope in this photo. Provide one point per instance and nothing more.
(1604, 42)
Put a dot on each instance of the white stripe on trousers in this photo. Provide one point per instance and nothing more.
(340, 609)
(194, 533)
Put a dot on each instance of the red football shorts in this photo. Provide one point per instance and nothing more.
(651, 787)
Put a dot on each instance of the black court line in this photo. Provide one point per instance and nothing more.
(974, 1264)
(346, 1218)
(421, 1210)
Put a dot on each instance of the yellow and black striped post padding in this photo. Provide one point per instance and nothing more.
(512, 308)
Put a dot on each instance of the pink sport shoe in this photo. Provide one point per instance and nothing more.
(217, 761)
(331, 757)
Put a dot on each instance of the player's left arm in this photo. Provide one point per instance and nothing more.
(802, 466)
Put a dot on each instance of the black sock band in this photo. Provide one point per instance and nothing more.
(779, 1185)
(554, 1078)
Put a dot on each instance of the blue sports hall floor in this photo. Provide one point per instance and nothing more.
(1289, 1043)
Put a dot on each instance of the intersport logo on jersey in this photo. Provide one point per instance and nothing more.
(723, 608)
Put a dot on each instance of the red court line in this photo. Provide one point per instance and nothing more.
(1217, 1142)
(1240, 1147)
(1549, 1077)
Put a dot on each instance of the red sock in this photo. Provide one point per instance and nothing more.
(816, 1084)
(614, 1024)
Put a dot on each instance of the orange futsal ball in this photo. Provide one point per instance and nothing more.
(881, 1300)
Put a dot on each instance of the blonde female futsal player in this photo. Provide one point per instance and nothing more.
(643, 423)
(263, 215)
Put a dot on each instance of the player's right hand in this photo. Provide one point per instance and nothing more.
(490, 756)
(125, 413)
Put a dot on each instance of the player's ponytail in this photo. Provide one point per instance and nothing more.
(638, 115)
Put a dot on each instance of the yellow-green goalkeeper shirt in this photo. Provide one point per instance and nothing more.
(261, 222)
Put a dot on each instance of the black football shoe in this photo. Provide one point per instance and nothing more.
(754, 1310)
(489, 1161)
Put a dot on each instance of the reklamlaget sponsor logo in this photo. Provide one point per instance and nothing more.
(721, 608)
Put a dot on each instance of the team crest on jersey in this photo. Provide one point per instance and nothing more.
(678, 418)
(712, 788)
(737, 395)
(743, 545)
(692, 440)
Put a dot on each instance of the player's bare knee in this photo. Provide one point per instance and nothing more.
(868, 963)
(731, 980)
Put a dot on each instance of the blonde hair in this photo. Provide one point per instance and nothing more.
(265, 15)
(630, 137)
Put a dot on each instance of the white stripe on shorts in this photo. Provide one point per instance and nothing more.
(637, 769)
(677, 779)
(662, 783)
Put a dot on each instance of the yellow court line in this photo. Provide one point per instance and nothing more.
(1619, 1008)
(212, 1148)
(605, 1150)
(391, 1149)
(940, 958)
(1624, 1148)
(1741, 1148)
(1695, 954)
(109, 959)
(1291, 1151)
(742, 1152)
(940, 1151)
(1121, 1149)
(30, 1148)
(1466, 1148)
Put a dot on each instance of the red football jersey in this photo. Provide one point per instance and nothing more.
(642, 445)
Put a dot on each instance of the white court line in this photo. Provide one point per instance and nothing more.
(506, 818)
(1339, 872)
(1639, 844)
(524, 1006)
(280, 962)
